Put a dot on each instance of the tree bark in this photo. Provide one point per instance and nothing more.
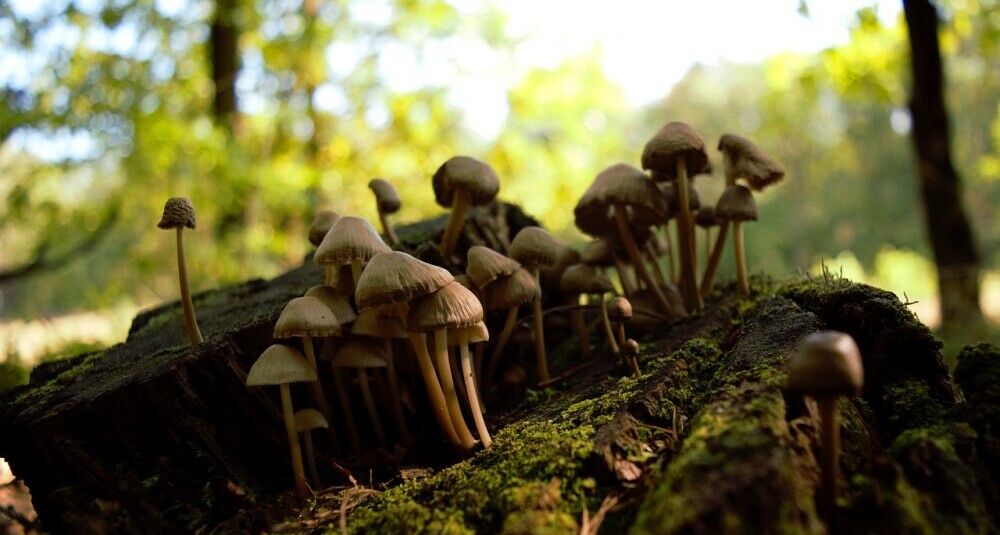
(952, 241)
(224, 45)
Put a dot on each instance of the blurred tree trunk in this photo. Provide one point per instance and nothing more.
(954, 246)
(225, 58)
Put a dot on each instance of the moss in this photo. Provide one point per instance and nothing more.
(908, 405)
(42, 392)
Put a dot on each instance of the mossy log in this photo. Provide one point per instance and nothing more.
(151, 436)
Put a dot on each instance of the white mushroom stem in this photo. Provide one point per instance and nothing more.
(580, 326)
(713, 261)
(328, 274)
(606, 323)
(460, 203)
(448, 386)
(829, 455)
(366, 395)
(470, 387)
(434, 393)
(741, 259)
(456, 371)
(311, 458)
(540, 358)
(293, 440)
(685, 235)
(345, 405)
(397, 404)
(317, 391)
(190, 322)
(390, 233)
(636, 258)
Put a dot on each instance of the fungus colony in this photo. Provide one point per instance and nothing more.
(384, 318)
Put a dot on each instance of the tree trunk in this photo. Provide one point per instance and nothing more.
(225, 63)
(954, 246)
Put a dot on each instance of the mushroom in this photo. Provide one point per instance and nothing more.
(386, 328)
(351, 241)
(619, 311)
(630, 352)
(178, 212)
(600, 253)
(509, 293)
(706, 219)
(534, 248)
(450, 307)
(486, 265)
(280, 365)
(322, 221)
(582, 279)
(337, 302)
(305, 421)
(362, 353)
(394, 279)
(387, 201)
(462, 337)
(459, 183)
(826, 366)
(737, 205)
(676, 152)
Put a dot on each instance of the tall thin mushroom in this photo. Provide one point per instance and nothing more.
(462, 182)
(362, 353)
(534, 248)
(462, 337)
(510, 293)
(386, 328)
(737, 206)
(387, 201)
(306, 420)
(178, 212)
(352, 241)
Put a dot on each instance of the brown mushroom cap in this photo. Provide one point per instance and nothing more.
(533, 247)
(336, 301)
(385, 195)
(463, 172)
(396, 277)
(630, 348)
(736, 204)
(452, 306)
(309, 419)
(371, 322)
(828, 363)
(583, 279)
(512, 291)
(361, 353)
(349, 239)
(599, 252)
(744, 159)
(671, 142)
(619, 309)
(177, 212)
(486, 265)
(706, 217)
(280, 364)
(475, 333)
(306, 316)
(619, 184)
(321, 224)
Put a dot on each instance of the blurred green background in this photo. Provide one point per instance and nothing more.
(109, 110)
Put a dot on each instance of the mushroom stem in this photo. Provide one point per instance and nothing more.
(625, 275)
(328, 275)
(434, 393)
(620, 328)
(508, 328)
(615, 348)
(293, 440)
(540, 358)
(356, 269)
(636, 258)
(741, 261)
(685, 235)
(397, 404)
(190, 322)
(456, 371)
(580, 327)
(657, 268)
(713, 261)
(455, 221)
(671, 258)
(366, 395)
(829, 456)
(448, 386)
(311, 459)
(345, 405)
(470, 386)
(317, 391)
(390, 233)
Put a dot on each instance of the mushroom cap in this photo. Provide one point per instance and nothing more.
(306, 316)
(463, 172)
(361, 352)
(675, 140)
(349, 239)
(476, 333)
(372, 322)
(308, 419)
(619, 309)
(485, 265)
(533, 247)
(599, 252)
(565, 256)
(336, 301)
(706, 217)
(512, 291)
(386, 196)
(280, 364)
(736, 204)
(583, 279)
(177, 212)
(466, 281)
(322, 222)
(630, 348)
(620, 184)
(744, 159)
(450, 307)
(396, 277)
(827, 363)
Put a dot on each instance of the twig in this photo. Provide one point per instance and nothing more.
(590, 526)
(346, 502)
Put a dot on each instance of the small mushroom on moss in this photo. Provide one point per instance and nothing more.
(534, 248)
(510, 293)
(387, 201)
(827, 366)
(630, 352)
(620, 312)
(322, 221)
(178, 212)
(460, 183)
(737, 206)
(306, 420)
(281, 365)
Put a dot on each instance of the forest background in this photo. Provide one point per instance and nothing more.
(264, 112)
